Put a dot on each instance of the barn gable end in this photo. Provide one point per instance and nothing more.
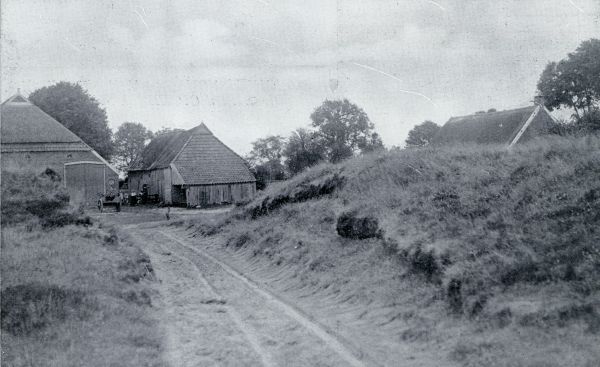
(201, 170)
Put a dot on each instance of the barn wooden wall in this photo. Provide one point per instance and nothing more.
(159, 182)
(201, 195)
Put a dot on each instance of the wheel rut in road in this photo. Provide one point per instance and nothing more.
(270, 332)
(332, 341)
(217, 299)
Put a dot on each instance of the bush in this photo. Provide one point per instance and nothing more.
(26, 195)
(303, 192)
(63, 218)
(34, 306)
(349, 225)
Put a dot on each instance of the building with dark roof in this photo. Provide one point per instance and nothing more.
(32, 140)
(497, 127)
(191, 168)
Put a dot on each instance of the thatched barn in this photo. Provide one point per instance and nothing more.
(496, 127)
(191, 168)
(32, 140)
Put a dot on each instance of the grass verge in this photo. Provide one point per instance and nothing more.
(73, 294)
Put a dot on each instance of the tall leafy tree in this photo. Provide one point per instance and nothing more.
(129, 142)
(573, 82)
(78, 111)
(303, 149)
(422, 134)
(269, 149)
(265, 160)
(344, 129)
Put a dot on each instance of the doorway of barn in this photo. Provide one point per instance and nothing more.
(178, 195)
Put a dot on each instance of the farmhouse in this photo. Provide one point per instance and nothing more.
(191, 168)
(504, 127)
(32, 140)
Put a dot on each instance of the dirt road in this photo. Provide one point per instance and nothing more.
(213, 315)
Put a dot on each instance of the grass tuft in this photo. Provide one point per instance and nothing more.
(34, 306)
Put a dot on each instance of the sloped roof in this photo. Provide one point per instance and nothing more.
(160, 151)
(25, 127)
(200, 158)
(486, 128)
(24, 122)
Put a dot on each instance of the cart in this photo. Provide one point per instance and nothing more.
(111, 196)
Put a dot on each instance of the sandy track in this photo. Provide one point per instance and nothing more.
(213, 315)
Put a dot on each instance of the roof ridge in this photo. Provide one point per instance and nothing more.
(182, 148)
(523, 126)
(490, 113)
(201, 128)
(15, 96)
(164, 151)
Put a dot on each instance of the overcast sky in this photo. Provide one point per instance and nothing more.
(250, 68)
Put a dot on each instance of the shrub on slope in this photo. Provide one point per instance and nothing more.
(26, 195)
(470, 218)
(506, 240)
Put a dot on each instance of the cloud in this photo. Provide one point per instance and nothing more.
(181, 62)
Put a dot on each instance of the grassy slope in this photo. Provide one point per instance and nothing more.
(71, 295)
(484, 256)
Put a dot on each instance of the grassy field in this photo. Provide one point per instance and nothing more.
(487, 256)
(73, 293)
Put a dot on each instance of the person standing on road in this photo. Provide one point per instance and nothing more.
(168, 214)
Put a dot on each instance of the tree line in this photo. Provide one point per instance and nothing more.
(338, 129)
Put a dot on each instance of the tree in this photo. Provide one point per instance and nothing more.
(268, 172)
(344, 129)
(303, 149)
(78, 111)
(166, 130)
(129, 142)
(267, 149)
(421, 134)
(265, 160)
(573, 82)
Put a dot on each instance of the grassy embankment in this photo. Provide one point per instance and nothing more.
(479, 255)
(73, 293)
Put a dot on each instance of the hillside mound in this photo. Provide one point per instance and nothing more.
(500, 246)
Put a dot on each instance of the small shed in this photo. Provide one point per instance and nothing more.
(507, 127)
(191, 168)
